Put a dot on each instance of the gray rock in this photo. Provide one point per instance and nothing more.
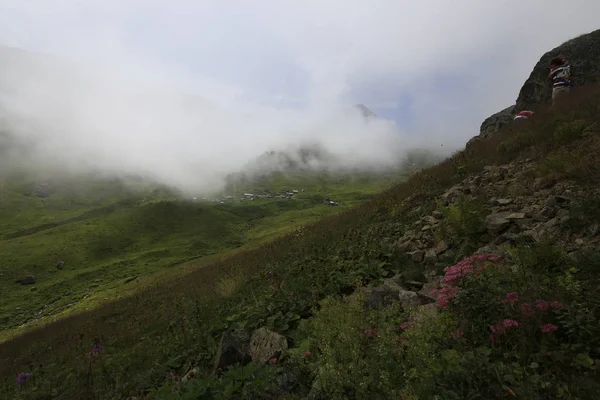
(407, 246)
(429, 287)
(234, 347)
(381, 296)
(60, 265)
(515, 215)
(495, 122)
(503, 202)
(429, 220)
(438, 214)
(441, 247)
(266, 344)
(410, 299)
(497, 223)
(28, 280)
(430, 256)
(417, 256)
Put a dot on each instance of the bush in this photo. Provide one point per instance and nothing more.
(357, 350)
(463, 223)
(569, 131)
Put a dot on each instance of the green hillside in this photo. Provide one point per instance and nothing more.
(89, 240)
(476, 278)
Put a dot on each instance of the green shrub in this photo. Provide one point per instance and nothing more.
(463, 224)
(357, 350)
(569, 131)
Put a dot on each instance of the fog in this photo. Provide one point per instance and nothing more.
(187, 92)
(99, 119)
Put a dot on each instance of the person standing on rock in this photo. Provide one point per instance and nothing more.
(560, 77)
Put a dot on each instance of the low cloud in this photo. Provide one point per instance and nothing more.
(185, 92)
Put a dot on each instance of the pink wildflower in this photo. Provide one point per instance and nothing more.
(405, 325)
(526, 309)
(542, 305)
(457, 333)
(371, 332)
(466, 267)
(273, 361)
(307, 354)
(511, 297)
(509, 323)
(446, 294)
(498, 328)
(548, 328)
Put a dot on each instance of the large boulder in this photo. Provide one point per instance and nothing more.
(583, 53)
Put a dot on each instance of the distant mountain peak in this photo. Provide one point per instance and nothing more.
(365, 111)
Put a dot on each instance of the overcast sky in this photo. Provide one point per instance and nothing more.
(435, 67)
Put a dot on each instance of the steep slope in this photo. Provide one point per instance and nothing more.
(383, 290)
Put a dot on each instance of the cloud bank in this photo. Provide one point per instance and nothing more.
(186, 91)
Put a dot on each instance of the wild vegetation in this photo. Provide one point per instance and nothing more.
(520, 324)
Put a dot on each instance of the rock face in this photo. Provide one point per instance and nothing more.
(583, 54)
(496, 122)
(265, 344)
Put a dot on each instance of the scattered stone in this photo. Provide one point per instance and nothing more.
(430, 256)
(407, 246)
(410, 299)
(503, 202)
(429, 220)
(441, 247)
(233, 348)
(417, 256)
(428, 288)
(381, 296)
(438, 214)
(28, 280)
(266, 344)
(60, 265)
(426, 228)
(515, 215)
(497, 223)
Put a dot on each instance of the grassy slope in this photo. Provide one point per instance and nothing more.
(175, 324)
(107, 234)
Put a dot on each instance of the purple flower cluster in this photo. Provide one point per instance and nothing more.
(23, 377)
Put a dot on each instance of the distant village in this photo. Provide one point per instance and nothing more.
(286, 194)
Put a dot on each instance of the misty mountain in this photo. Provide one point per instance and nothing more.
(365, 111)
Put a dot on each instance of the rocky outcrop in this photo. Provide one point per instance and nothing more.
(514, 212)
(494, 123)
(583, 53)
